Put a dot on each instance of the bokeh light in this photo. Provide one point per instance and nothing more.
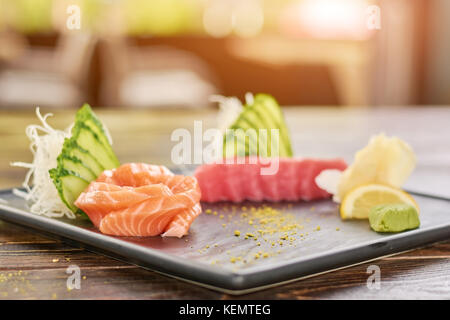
(248, 18)
(218, 18)
(223, 17)
(326, 19)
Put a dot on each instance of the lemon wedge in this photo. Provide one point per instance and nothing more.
(385, 160)
(358, 202)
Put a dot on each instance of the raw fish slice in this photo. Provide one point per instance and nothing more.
(102, 186)
(101, 198)
(252, 187)
(186, 185)
(269, 183)
(148, 218)
(135, 174)
(232, 184)
(139, 174)
(107, 177)
(294, 180)
(286, 186)
(306, 187)
(310, 190)
(138, 199)
(181, 223)
(207, 180)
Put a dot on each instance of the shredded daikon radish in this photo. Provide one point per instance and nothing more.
(40, 192)
(249, 99)
(229, 110)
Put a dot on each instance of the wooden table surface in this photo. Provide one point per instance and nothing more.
(33, 266)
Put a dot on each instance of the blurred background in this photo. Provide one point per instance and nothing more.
(176, 53)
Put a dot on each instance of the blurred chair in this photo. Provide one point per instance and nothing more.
(12, 44)
(348, 61)
(154, 77)
(48, 77)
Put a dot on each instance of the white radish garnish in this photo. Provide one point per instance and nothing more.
(229, 110)
(328, 180)
(385, 160)
(40, 192)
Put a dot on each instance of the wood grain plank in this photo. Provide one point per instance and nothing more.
(437, 250)
(406, 279)
(98, 283)
(10, 233)
(37, 264)
(412, 280)
(429, 264)
(53, 257)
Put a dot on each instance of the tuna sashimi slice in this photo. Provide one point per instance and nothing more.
(293, 180)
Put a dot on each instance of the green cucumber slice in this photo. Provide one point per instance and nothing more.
(88, 118)
(74, 164)
(263, 113)
(240, 142)
(72, 149)
(84, 156)
(270, 106)
(90, 141)
(69, 186)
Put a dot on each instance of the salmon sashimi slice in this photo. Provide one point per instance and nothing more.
(135, 175)
(148, 218)
(101, 198)
(182, 222)
(293, 180)
(139, 199)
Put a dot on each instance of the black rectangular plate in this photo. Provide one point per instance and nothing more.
(204, 256)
